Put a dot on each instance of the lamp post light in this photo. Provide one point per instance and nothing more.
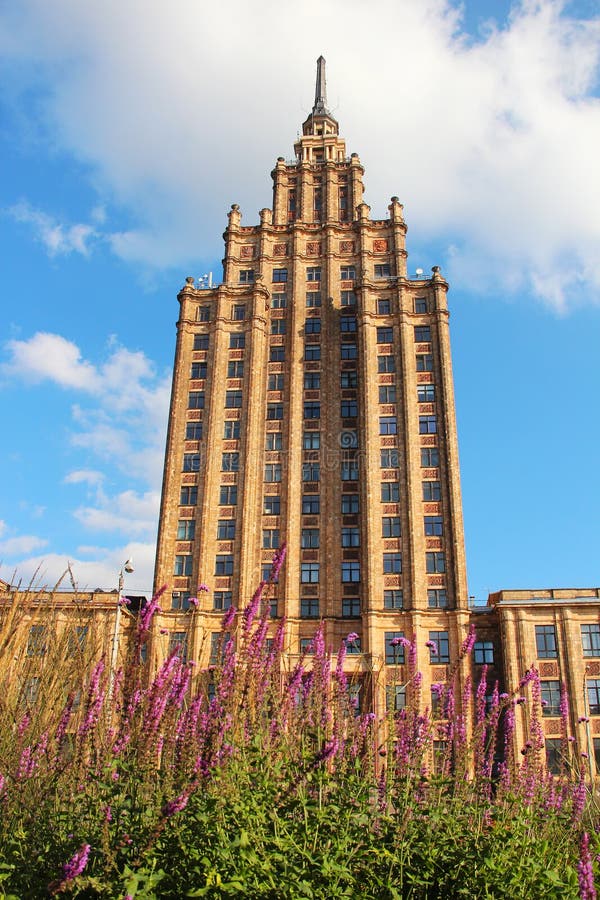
(126, 569)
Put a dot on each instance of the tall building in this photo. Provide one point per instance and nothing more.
(313, 403)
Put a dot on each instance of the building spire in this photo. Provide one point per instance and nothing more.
(320, 107)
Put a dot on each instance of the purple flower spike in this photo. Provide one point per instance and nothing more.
(76, 864)
(583, 719)
(432, 647)
(203, 588)
(352, 637)
(396, 641)
(585, 871)
(193, 601)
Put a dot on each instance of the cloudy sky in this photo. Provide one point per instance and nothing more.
(127, 130)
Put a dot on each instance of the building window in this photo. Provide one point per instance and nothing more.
(235, 369)
(274, 411)
(313, 273)
(348, 379)
(386, 363)
(435, 562)
(395, 697)
(271, 506)
(272, 472)
(440, 651)
(593, 693)
(191, 462)
(351, 607)
(389, 459)
(350, 537)
(348, 298)
(277, 354)
(384, 307)
(312, 410)
(393, 599)
(198, 370)
(349, 409)
(200, 342)
(239, 312)
(203, 314)
(347, 324)
(221, 600)
(390, 491)
(312, 381)
(37, 640)
(228, 495)
(392, 563)
(233, 399)
(278, 301)
(223, 564)
(311, 472)
(554, 755)
(278, 326)
(231, 430)
(309, 607)
(280, 275)
(309, 538)
(237, 340)
(311, 505)
(388, 425)
(385, 335)
(188, 495)
(424, 362)
(387, 393)
(193, 431)
(382, 271)
(349, 470)
(430, 457)
(226, 529)
(545, 641)
(420, 305)
(312, 352)
(426, 393)
(313, 299)
(437, 598)
(434, 525)
(180, 600)
(427, 424)
(178, 645)
(274, 441)
(348, 351)
(246, 276)
(230, 462)
(275, 383)
(590, 640)
(422, 334)
(350, 572)
(390, 527)
(186, 530)
(347, 273)
(394, 648)
(270, 538)
(354, 646)
(483, 653)
(183, 565)
(309, 573)
(432, 491)
(350, 504)
(550, 697)
(311, 440)
(312, 326)
(196, 400)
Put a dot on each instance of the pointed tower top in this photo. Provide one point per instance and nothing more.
(320, 107)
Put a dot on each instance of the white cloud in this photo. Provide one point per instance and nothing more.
(490, 142)
(14, 547)
(128, 512)
(84, 476)
(58, 239)
(3, 527)
(51, 357)
(93, 567)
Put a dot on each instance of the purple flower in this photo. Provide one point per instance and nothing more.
(76, 864)
(585, 871)
(203, 588)
(175, 806)
(583, 719)
(352, 637)
(520, 700)
(124, 601)
(467, 644)
(277, 563)
(432, 647)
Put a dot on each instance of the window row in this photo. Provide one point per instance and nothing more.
(547, 644)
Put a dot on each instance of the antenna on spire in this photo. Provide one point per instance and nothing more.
(320, 107)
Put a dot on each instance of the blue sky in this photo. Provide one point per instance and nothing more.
(129, 128)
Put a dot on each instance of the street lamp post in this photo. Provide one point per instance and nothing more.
(126, 568)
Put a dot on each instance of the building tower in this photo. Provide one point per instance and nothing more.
(313, 403)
